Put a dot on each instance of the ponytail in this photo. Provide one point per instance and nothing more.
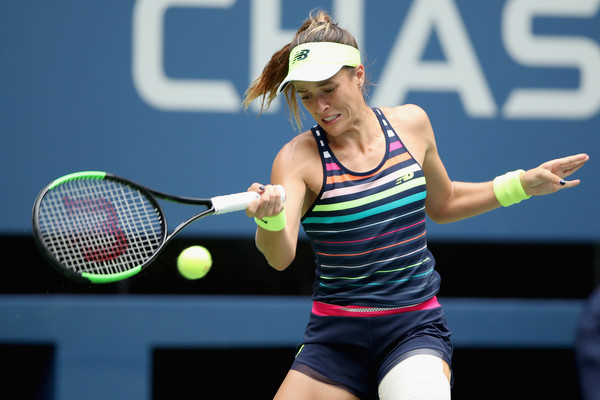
(272, 75)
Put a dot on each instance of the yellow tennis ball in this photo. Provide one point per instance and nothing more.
(194, 262)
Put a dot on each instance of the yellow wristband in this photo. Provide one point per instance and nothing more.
(508, 188)
(274, 223)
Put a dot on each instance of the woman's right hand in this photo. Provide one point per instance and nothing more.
(270, 202)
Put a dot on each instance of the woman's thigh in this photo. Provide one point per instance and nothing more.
(298, 386)
(421, 376)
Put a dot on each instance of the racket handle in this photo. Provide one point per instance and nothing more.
(238, 201)
(233, 202)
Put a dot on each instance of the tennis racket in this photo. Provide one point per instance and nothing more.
(100, 228)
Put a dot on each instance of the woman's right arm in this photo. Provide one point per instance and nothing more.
(291, 169)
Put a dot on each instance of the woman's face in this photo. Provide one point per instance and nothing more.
(334, 103)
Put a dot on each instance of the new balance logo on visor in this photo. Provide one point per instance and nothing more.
(300, 55)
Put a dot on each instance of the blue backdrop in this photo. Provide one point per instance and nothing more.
(151, 90)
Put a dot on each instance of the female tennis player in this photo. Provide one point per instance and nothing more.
(360, 182)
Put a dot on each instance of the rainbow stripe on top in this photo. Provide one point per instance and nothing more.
(368, 230)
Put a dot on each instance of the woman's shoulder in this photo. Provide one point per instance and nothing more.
(407, 113)
(299, 158)
(303, 142)
(299, 149)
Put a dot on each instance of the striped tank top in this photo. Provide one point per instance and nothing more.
(367, 230)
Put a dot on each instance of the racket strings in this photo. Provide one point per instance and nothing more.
(99, 226)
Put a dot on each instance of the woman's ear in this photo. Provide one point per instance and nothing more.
(360, 75)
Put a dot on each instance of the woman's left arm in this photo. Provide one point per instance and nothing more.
(449, 201)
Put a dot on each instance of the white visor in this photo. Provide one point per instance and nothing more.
(317, 61)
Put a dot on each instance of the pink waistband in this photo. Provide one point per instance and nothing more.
(330, 310)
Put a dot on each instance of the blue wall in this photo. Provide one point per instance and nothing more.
(151, 90)
(100, 340)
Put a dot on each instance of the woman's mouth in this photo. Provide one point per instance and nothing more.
(331, 118)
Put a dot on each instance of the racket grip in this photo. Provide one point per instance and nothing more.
(238, 201)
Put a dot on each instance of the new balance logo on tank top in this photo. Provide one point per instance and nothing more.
(368, 230)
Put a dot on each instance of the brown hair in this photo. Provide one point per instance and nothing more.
(319, 27)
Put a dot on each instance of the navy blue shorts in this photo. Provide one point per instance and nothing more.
(355, 353)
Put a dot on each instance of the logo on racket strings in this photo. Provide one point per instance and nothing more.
(98, 234)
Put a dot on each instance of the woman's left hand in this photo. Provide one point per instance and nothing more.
(549, 177)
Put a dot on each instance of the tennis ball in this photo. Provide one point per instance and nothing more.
(194, 262)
